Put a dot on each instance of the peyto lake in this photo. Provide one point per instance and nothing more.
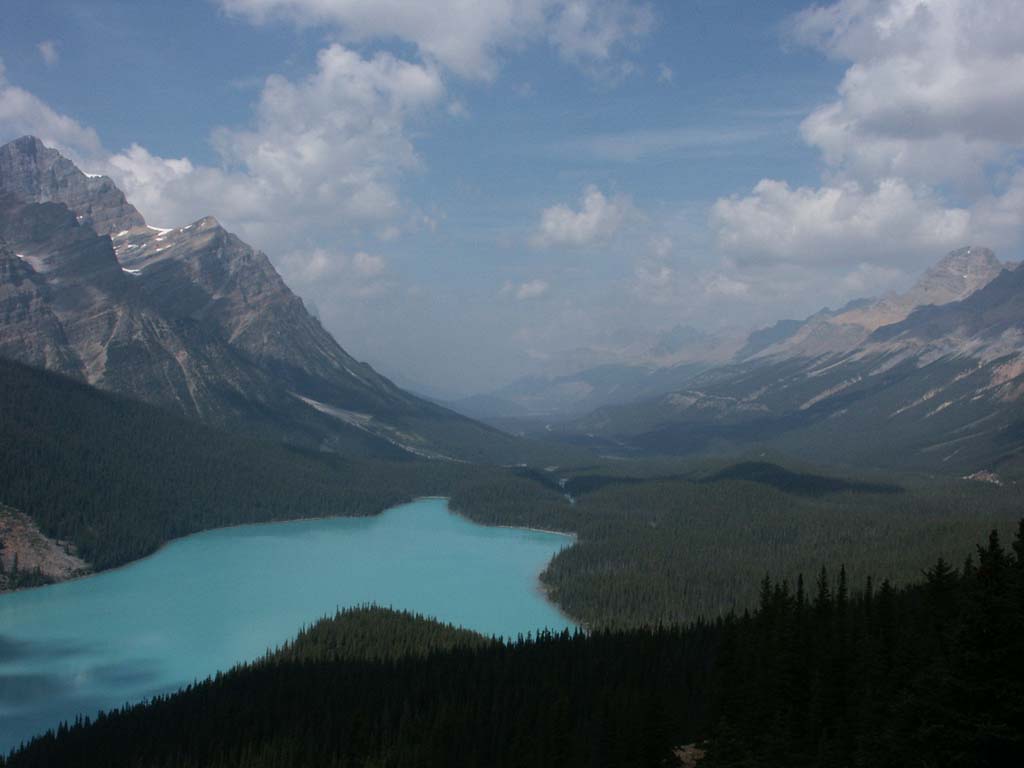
(206, 602)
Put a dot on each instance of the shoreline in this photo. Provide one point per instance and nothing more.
(226, 527)
(229, 526)
(567, 534)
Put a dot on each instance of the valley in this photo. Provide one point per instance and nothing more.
(178, 429)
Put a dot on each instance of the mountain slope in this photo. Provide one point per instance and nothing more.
(192, 319)
(940, 389)
(117, 477)
(955, 277)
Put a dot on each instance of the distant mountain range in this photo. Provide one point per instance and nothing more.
(929, 379)
(630, 365)
(194, 320)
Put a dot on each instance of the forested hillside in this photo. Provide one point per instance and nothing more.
(670, 548)
(118, 478)
(821, 675)
(372, 633)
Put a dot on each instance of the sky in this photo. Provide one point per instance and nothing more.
(466, 190)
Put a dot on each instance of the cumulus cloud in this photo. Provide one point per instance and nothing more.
(596, 221)
(531, 289)
(23, 113)
(929, 110)
(48, 50)
(836, 223)
(329, 147)
(935, 90)
(587, 32)
(466, 36)
(327, 274)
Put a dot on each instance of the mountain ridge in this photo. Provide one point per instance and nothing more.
(941, 388)
(959, 274)
(193, 319)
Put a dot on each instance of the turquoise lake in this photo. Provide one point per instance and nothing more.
(208, 601)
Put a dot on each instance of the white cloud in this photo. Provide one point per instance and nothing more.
(466, 36)
(329, 274)
(665, 73)
(23, 113)
(330, 147)
(588, 31)
(531, 289)
(935, 90)
(597, 220)
(367, 265)
(837, 223)
(48, 50)
(930, 110)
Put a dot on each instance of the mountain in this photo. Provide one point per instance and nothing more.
(630, 365)
(194, 320)
(640, 347)
(939, 387)
(33, 172)
(957, 276)
(636, 366)
(562, 397)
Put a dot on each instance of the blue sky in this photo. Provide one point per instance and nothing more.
(466, 191)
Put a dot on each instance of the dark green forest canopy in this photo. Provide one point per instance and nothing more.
(821, 674)
(373, 633)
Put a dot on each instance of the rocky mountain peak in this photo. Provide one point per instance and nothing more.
(190, 318)
(956, 277)
(35, 173)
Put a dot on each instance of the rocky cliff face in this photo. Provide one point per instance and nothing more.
(29, 329)
(81, 314)
(190, 318)
(204, 275)
(35, 173)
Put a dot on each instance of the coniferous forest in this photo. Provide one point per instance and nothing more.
(821, 673)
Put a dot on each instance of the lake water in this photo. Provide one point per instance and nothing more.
(206, 602)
